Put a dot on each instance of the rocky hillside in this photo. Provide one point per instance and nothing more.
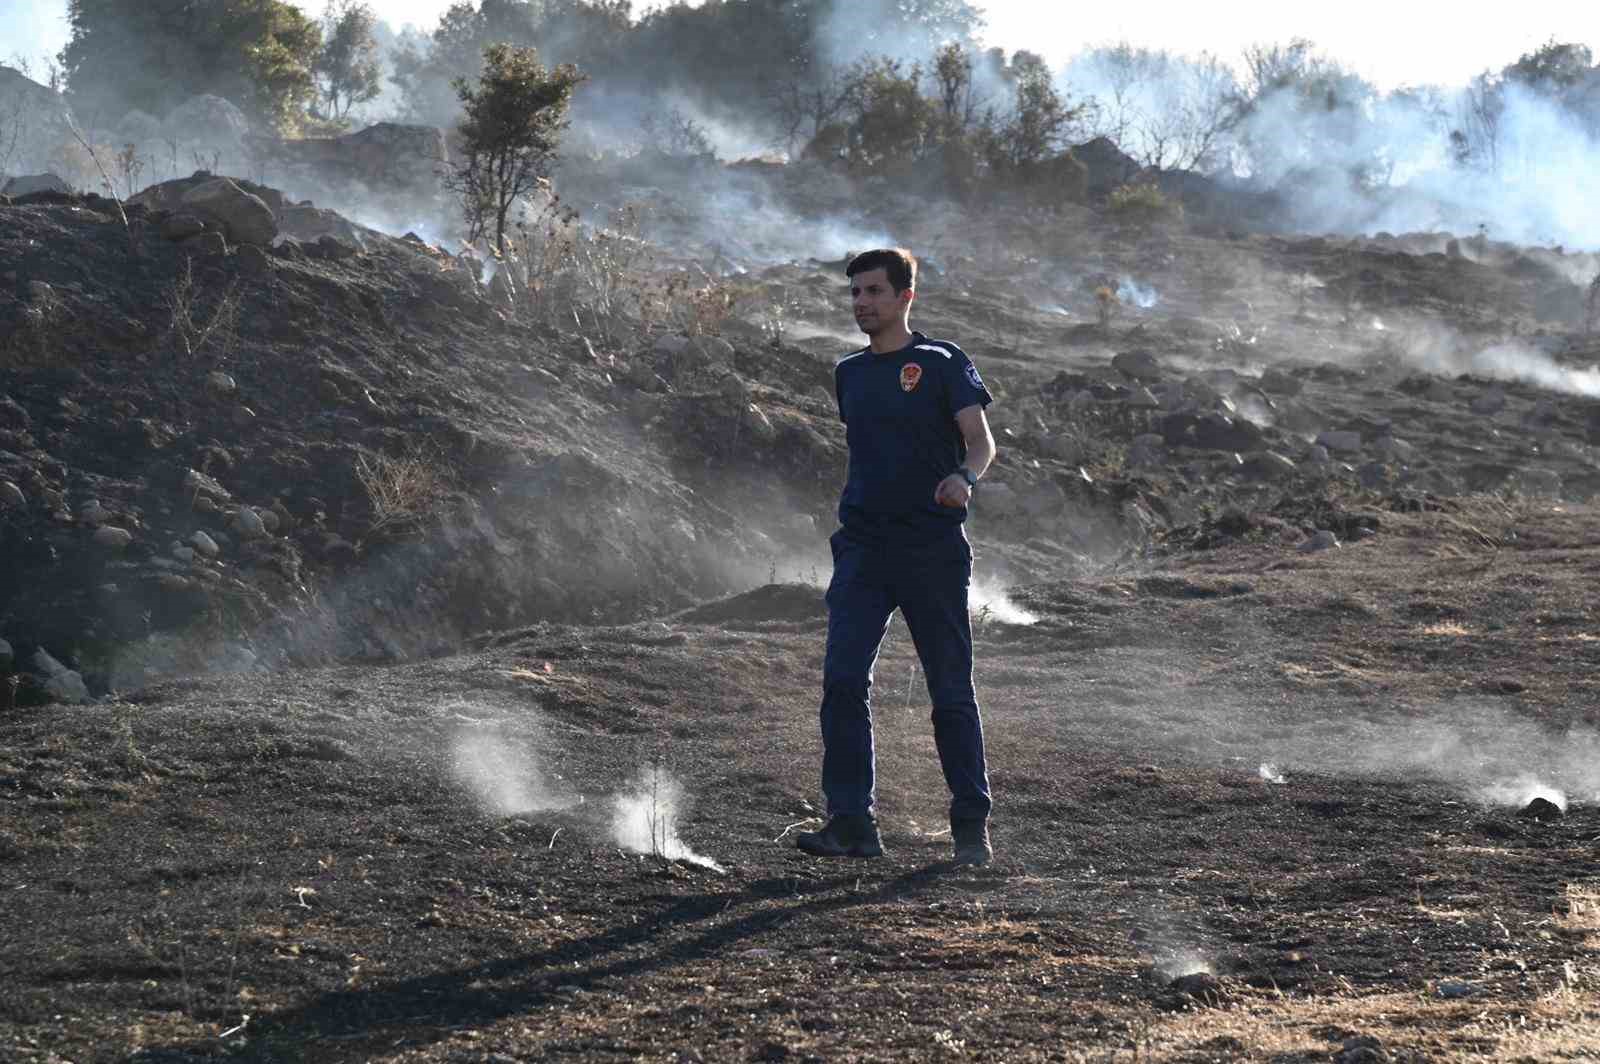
(236, 429)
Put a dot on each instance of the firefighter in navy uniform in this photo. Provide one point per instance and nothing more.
(919, 442)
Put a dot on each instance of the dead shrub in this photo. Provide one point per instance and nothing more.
(402, 492)
(1143, 204)
(197, 323)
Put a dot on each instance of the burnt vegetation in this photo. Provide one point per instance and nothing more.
(413, 540)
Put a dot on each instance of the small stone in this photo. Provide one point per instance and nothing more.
(11, 495)
(1321, 540)
(92, 513)
(113, 538)
(221, 383)
(243, 416)
(1457, 988)
(270, 519)
(1202, 986)
(184, 554)
(205, 544)
(248, 524)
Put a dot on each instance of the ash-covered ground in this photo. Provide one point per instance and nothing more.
(449, 641)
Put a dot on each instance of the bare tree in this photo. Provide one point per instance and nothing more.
(806, 101)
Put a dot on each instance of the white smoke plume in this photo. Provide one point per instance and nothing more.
(504, 775)
(645, 819)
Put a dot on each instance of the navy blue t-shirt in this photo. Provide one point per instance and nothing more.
(899, 411)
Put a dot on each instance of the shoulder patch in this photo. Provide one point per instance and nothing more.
(972, 376)
(945, 351)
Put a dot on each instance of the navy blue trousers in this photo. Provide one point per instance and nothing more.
(929, 586)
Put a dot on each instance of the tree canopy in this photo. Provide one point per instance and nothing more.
(155, 54)
(514, 115)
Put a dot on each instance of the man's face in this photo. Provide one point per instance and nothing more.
(876, 304)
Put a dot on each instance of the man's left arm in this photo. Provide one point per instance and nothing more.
(954, 490)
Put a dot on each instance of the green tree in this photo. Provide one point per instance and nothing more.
(348, 69)
(155, 54)
(514, 117)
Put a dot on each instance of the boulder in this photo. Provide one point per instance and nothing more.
(11, 495)
(248, 524)
(207, 122)
(31, 183)
(176, 227)
(1138, 365)
(205, 544)
(61, 683)
(243, 216)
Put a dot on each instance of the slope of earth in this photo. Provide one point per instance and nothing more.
(1252, 804)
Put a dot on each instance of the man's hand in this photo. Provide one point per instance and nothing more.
(952, 491)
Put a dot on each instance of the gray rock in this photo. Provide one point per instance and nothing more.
(248, 524)
(269, 519)
(1322, 540)
(61, 683)
(205, 544)
(220, 383)
(184, 554)
(92, 513)
(196, 483)
(112, 538)
(334, 249)
(6, 654)
(1138, 365)
(178, 227)
(31, 183)
(244, 217)
(1340, 440)
(11, 495)
(1457, 988)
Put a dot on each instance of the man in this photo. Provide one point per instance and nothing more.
(919, 442)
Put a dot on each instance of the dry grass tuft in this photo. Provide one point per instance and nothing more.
(403, 492)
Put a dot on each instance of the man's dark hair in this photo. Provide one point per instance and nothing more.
(900, 264)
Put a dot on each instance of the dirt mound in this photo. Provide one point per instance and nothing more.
(781, 603)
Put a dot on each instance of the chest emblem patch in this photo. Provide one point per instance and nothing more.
(910, 376)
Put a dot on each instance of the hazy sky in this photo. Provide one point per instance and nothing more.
(1390, 41)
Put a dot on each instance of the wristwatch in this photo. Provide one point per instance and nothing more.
(969, 476)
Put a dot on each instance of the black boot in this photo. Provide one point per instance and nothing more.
(972, 841)
(846, 835)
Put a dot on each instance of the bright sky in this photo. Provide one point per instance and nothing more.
(1392, 42)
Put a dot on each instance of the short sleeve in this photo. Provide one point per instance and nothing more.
(963, 384)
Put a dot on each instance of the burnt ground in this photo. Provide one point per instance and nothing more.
(348, 790)
(299, 849)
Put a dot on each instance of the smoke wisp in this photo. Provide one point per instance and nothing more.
(645, 819)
